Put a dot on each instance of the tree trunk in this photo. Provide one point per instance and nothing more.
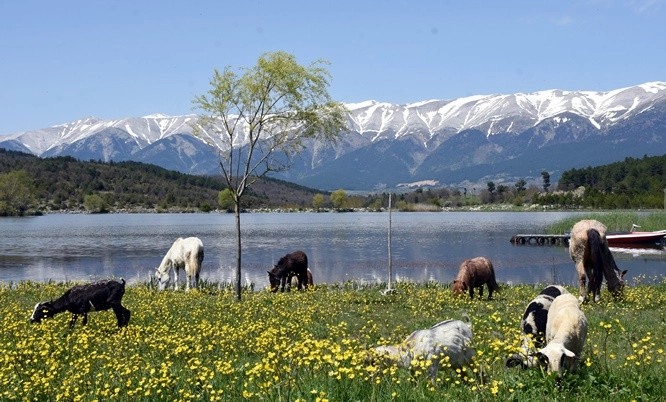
(238, 250)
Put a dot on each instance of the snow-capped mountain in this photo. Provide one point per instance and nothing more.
(451, 142)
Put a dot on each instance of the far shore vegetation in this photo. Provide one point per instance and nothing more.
(31, 186)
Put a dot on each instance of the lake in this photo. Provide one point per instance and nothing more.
(340, 246)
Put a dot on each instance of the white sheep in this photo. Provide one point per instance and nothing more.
(450, 338)
(566, 331)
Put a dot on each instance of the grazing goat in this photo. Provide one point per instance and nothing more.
(566, 331)
(295, 263)
(449, 339)
(186, 254)
(589, 250)
(474, 273)
(533, 326)
(82, 299)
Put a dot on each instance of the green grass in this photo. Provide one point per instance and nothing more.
(615, 221)
(312, 346)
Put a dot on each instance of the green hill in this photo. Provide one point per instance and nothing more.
(62, 183)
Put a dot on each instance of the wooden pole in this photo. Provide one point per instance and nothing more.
(390, 262)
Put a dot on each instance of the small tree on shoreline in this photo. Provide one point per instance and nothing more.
(257, 121)
(17, 193)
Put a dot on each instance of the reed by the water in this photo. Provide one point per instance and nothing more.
(616, 221)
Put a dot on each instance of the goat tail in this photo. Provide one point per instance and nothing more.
(122, 281)
(595, 245)
(493, 284)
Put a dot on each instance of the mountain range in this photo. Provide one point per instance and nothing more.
(464, 142)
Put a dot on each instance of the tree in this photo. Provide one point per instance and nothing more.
(491, 190)
(546, 180)
(17, 193)
(95, 204)
(318, 201)
(376, 205)
(339, 199)
(258, 117)
(520, 186)
(225, 199)
(502, 191)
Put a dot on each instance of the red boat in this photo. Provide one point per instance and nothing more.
(617, 238)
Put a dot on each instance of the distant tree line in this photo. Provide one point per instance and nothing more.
(64, 183)
(632, 183)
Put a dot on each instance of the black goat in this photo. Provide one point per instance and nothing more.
(82, 299)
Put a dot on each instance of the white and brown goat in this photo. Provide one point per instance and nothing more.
(588, 247)
(533, 326)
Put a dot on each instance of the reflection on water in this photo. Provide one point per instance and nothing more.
(340, 246)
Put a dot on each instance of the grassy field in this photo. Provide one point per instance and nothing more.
(312, 346)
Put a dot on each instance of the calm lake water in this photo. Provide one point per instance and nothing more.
(340, 246)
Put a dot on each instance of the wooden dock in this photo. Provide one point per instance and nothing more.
(540, 239)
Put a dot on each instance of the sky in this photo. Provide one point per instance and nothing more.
(61, 61)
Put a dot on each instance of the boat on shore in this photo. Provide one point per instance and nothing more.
(630, 238)
(634, 237)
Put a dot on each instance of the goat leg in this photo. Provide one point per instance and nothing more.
(122, 315)
(126, 317)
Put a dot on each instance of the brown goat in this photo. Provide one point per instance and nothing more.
(474, 273)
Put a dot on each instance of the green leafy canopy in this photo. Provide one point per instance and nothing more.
(258, 117)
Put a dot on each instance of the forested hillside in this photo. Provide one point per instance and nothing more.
(62, 183)
(632, 183)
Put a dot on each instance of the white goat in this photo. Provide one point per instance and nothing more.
(186, 254)
(450, 338)
(566, 331)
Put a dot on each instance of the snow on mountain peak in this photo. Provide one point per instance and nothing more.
(157, 116)
(374, 120)
(360, 105)
(653, 87)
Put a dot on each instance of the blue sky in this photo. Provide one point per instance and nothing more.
(65, 60)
